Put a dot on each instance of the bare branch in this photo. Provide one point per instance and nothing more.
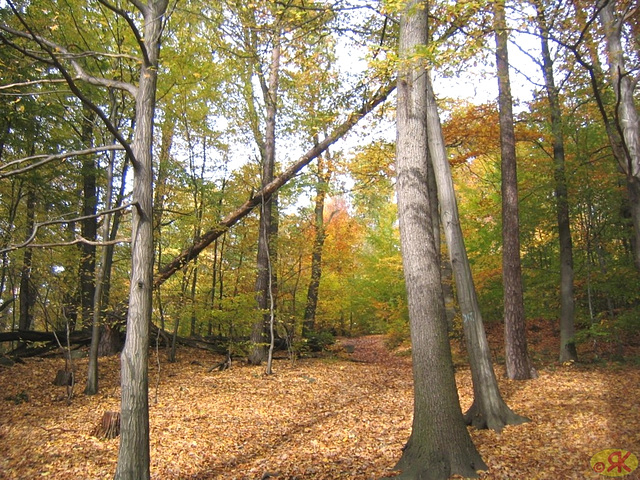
(33, 82)
(55, 50)
(100, 54)
(44, 159)
(132, 26)
(79, 239)
(60, 221)
(72, 84)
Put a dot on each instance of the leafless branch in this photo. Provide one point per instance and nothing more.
(55, 62)
(79, 239)
(43, 159)
(33, 82)
(29, 241)
(58, 51)
(132, 26)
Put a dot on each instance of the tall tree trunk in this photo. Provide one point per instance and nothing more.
(89, 225)
(626, 114)
(91, 387)
(519, 365)
(308, 324)
(264, 281)
(27, 289)
(115, 226)
(488, 409)
(567, 302)
(439, 445)
(133, 455)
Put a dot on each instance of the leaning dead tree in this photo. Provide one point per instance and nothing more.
(265, 193)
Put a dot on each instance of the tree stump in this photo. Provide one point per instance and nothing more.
(109, 426)
(110, 342)
(64, 378)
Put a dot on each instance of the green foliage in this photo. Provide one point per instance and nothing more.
(319, 341)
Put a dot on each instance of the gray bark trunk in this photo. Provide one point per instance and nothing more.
(519, 365)
(439, 445)
(567, 303)
(133, 455)
(489, 409)
(266, 244)
(626, 115)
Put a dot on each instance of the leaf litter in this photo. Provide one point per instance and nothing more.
(344, 416)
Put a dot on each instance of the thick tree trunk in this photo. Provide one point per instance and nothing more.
(489, 409)
(626, 114)
(133, 455)
(439, 445)
(519, 366)
(633, 187)
(266, 237)
(567, 302)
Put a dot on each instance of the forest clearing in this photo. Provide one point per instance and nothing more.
(341, 416)
(341, 178)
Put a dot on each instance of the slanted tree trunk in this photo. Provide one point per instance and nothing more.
(567, 303)
(133, 455)
(91, 387)
(439, 445)
(519, 365)
(488, 409)
(192, 251)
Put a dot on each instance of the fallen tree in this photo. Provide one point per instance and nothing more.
(32, 336)
(187, 255)
(165, 272)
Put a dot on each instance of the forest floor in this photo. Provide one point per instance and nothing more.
(343, 416)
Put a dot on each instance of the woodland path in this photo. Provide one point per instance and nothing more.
(340, 416)
(371, 349)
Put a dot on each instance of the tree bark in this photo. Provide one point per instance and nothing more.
(27, 290)
(519, 366)
(439, 445)
(266, 237)
(567, 303)
(488, 409)
(89, 226)
(626, 114)
(308, 324)
(133, 455)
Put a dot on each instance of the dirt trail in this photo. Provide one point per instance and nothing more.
(372, 349)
